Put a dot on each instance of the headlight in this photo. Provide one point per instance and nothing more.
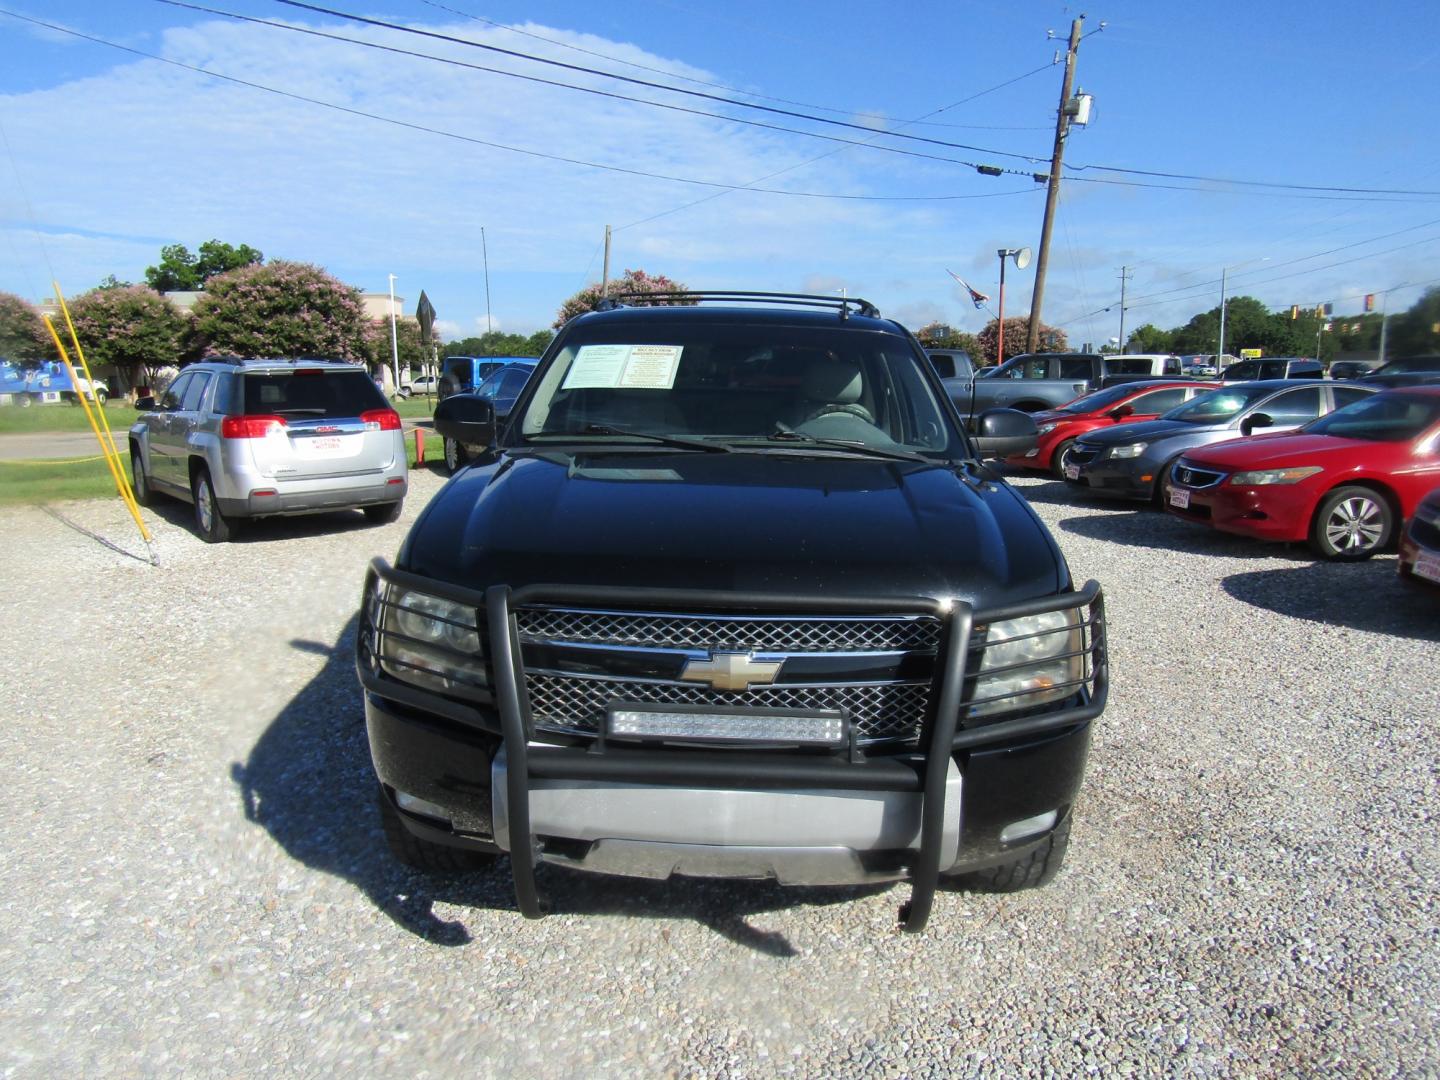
(429, 641)
(1274, 476)
(1129, 450)
(1030, 661)
(1045, 429)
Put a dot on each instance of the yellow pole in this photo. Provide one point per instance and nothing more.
(112, 456)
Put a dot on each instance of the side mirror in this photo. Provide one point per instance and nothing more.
(146, 403)
(1003, 432)
(467, 419)
(1254, 420)
(1120, 412)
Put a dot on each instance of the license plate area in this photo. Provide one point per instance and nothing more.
(1072, 471)
(1180, 498)
(1427, 566)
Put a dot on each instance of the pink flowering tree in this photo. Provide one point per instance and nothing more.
(634, 281)
(133, 328)
(1017, 335)
(282, 309)
(22, 335)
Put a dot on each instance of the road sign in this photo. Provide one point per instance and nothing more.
(425, 316)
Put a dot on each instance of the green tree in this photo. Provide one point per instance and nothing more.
(939, 335)
(283, 309)
(134, 328)
(22, 333)
(407, 337)
(634, 281)
(1416, 332)
(497, 343)
(110, 281)
(1149, 338)
(1017, 335)
(180, 271)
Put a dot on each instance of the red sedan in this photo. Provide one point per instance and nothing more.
(1344, 482)
(1123, 404)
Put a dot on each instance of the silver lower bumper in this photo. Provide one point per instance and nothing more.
(803, 837)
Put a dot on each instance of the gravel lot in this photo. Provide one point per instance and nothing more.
(195, 880)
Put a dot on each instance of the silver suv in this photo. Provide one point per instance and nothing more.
(252, 438)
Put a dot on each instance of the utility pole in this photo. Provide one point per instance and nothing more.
(1384, 320)
(1052, 193)
(605, 273)
(485, 254)
(1220, 352)
(1125, 276)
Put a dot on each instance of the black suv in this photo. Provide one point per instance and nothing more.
(732, 595)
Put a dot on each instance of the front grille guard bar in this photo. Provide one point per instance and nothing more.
(940, 729)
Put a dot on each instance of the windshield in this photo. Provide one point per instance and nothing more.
(1381, 418)
(1410, 365)
(737, 383)
(1218, 406)
(1100, 399)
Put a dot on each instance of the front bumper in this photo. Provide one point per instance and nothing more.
(314, 497)
(911, 812)
(1122, 478)
(1276, 512)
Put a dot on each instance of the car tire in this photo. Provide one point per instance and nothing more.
(139, 479)
(1035, 868)
(212, 524)
(1157, 494)
(1352, 523)
(1058, 456)
(422, 854)
(456, 456)
(101, 397)
(384, 513)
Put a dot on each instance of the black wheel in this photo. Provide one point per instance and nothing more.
(1058, 456)
(1035, 868)
(1352, 523)
(455, 456)
(214, 526)
(101, 396)
(385, 513)
(139, 481)
(1157, 493)
(422, 854)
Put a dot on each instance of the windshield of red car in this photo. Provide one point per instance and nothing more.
(1111, 395)
(1382, 418)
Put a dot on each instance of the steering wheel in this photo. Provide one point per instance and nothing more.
(834, 408)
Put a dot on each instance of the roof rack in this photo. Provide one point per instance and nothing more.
(842, 304)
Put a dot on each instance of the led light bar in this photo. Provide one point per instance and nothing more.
(827, 729)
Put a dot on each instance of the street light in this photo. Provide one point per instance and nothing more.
(1022, 260)
(1224, 272)
(394, 339)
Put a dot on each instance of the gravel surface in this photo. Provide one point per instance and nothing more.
(195, 881)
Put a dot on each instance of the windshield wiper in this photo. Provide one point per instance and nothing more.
(664, 440)
(783, 434)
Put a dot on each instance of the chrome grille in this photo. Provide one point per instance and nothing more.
(577, 701)
(1080, 454)
(1196, 478)
(784, 635)
(880, 713)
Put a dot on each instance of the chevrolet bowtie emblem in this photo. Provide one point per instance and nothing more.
(732, 671)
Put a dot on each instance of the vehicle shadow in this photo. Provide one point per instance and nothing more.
(1150, 528)
(1365, 596)
(264, 530)
(308, 781)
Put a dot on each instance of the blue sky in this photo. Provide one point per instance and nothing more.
(107, 155)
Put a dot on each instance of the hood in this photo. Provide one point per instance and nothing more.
(768, 523)
(1280, 450)
(1142, 431)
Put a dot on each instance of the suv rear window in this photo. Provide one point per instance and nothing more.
(312, 392)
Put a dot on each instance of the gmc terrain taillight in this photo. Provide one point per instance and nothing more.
(250, 427)
(381, 420)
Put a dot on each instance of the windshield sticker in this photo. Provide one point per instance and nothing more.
(637, 367)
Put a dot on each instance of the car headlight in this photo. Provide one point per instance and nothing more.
(428, 641)
(1261, 477)
(1027, 662)
(1129, 450)
(1045, 429)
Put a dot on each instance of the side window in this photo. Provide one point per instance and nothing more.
(1293, 407)
(1172, 365)
(1074, 367)
(1348, 395)
(513, 383)
(944, 365)
(174, 393)
(1160, 401)
(195, 391)
(224, 395)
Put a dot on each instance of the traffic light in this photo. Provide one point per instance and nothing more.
(1294, 311)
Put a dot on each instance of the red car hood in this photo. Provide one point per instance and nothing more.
(1281, 450)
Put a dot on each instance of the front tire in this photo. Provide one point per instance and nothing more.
(422, 854)
(101, 396)
(1058, 456)
(1035, 868)
(456, 456)
(214, 527)
(1352, 523)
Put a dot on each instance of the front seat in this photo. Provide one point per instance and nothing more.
(829, 386)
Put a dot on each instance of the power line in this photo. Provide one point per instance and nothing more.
(736, 89)
(1251, 183)
(412, 126)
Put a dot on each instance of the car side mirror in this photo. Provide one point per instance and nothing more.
(467, 419)
(1120, 412)
(1254, 420)
(1004, 432)
(146, 403)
